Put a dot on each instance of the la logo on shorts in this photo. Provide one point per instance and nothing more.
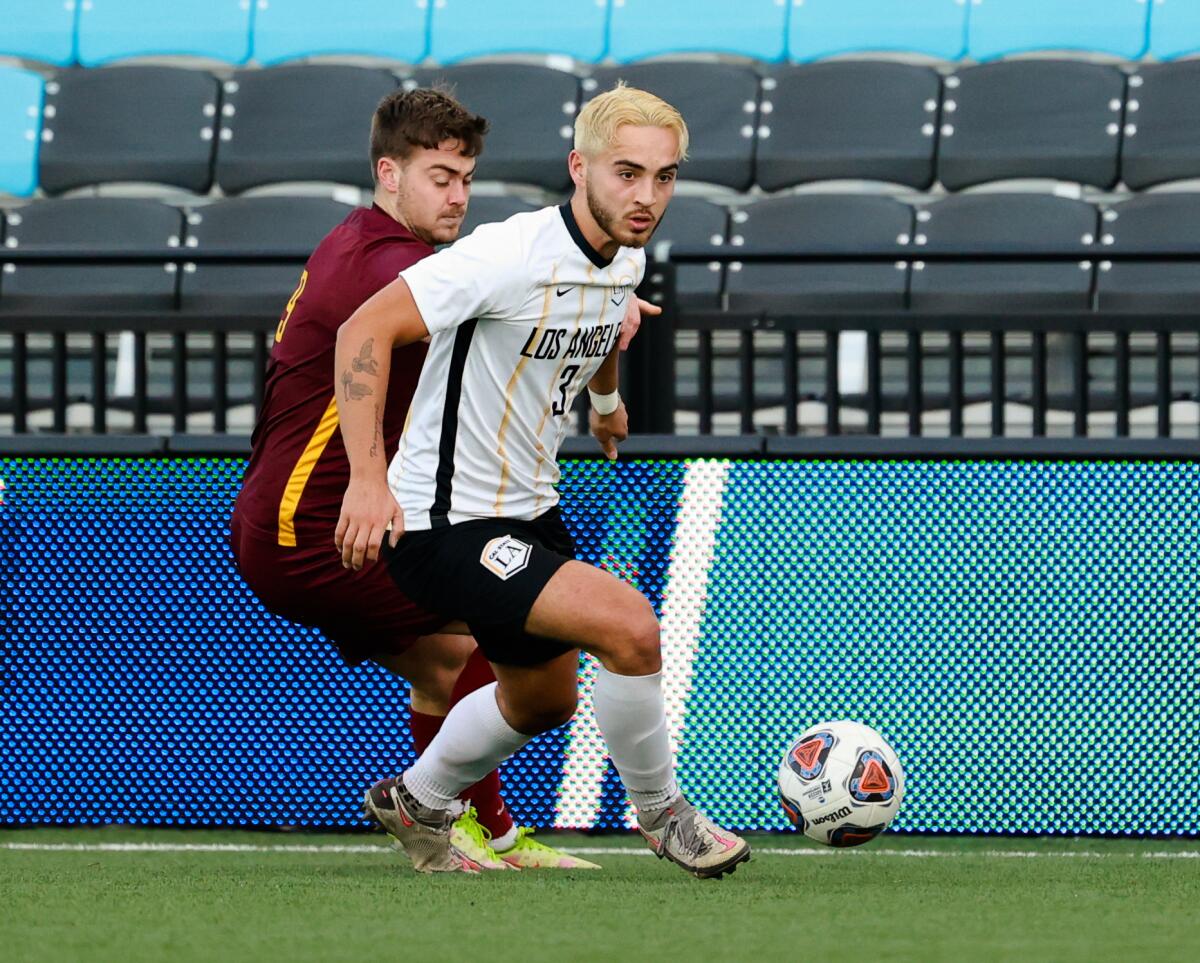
(505, 556)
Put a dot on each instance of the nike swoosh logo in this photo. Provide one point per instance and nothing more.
(561, 291)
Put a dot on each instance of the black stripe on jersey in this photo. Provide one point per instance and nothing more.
(449, 439)
(581, 242)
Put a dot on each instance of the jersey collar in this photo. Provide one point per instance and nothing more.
(581, 242)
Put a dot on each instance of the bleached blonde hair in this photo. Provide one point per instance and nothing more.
(597, 124)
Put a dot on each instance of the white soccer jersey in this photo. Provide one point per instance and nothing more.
(521, 314)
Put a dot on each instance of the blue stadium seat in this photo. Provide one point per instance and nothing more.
(113, 29)
(38, 30)
(20, 129)
(1174, 28)
(476, 28)
(1000, 27)
(822, 28)
(290, 29)
(650, 28)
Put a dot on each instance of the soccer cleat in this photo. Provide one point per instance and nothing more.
(474, 840)
(529, 853)
(423, 833)
(688, 838)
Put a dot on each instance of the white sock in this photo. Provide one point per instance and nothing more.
(633, 720)
(472, 742)
(502, 844)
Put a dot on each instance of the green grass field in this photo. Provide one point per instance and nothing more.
(317, 897)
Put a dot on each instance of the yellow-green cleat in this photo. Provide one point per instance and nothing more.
(529, 853)
(471, 838)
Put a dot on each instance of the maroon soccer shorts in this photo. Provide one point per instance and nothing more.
(363, 613)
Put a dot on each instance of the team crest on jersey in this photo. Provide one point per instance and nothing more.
(505, 556)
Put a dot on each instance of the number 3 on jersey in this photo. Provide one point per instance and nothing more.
(291, 306)
(560, 403)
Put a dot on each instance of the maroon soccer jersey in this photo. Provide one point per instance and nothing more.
(298, 471)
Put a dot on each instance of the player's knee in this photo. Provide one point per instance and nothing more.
(639, 651)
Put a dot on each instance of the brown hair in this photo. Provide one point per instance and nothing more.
(424, 117)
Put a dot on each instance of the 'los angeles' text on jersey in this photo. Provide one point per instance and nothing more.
(522, 314)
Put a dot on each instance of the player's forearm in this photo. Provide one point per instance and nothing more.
(604, 381)
(362, 363)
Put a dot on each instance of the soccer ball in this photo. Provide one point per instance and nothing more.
(840, 783)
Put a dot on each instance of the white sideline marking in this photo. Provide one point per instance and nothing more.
(685, 589)
(590, 851)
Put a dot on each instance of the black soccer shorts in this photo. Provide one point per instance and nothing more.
(487, 573)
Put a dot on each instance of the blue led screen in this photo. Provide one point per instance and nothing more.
(1027, 636)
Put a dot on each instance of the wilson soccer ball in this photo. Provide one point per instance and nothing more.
(840, 783)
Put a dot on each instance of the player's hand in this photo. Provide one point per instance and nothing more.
(367, 510)
(633, 320)
(610, 429)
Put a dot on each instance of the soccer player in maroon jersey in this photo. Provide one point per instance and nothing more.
(424, 147)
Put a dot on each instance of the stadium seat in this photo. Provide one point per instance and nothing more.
(129, 124)
(490, 209)
(1004, 223)
(1174, 28)
(276, 225)
(694, 222)
(20, 124)
(1001, 27)
(1031, 118)
(824, 28)
(1162, 136)
(719, 103)
(291, 29)
(1145, 224)
(860, 120)
(479, 28)
(531, 110)
(302, 123)
(816, 224)
(115, 29)
(38, 30)
(652, 28)
(91, 224)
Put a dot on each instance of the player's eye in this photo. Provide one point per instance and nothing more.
(627, 175)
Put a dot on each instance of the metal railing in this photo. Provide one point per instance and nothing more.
(214, 342)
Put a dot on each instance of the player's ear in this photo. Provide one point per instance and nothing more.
(577, 165)
(387, 173)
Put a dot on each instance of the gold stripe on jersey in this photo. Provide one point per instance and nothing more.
(305, 464)
(543, 456)
(508, 395)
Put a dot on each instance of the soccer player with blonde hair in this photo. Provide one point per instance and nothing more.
(521, 317)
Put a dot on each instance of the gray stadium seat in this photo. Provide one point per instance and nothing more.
(1031, 118)
(90, 224)
(1003, 223)
(129, 124)
(846, 119)
(278, 225)
(814, 224)
(1162, 136)
(720, 104)
(694, 222)
(531, 110)
(303, 123)
(1151, 222)
(489, 209)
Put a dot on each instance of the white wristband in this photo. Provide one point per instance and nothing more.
(605, 404)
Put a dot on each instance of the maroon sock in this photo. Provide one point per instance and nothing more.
(485, 794)
(423, 728)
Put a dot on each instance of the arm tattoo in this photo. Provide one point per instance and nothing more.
(364, 363)
(354, 390)
(375, 439)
